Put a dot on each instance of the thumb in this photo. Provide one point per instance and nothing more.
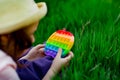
(59, 52)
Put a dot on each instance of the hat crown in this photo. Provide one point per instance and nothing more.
(17, 13)
(10, 9)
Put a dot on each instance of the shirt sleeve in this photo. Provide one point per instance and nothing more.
(8, 73)
(7, 67)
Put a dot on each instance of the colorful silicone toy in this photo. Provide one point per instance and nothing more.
(59, 39)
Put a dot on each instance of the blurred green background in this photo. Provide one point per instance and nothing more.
(96, 27)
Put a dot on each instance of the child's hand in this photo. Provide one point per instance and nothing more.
(35, 53)
(59, 62)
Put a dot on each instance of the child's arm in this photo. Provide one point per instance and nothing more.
(57, 64)
(8, 73)
(7, 67)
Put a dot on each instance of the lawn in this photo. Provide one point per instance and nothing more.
(96, 28)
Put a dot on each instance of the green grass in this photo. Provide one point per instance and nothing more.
(96, 27)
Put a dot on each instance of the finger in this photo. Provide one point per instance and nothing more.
(40, 46)
(59, 52)
(71, 53)
(68, 58)
(41, 50)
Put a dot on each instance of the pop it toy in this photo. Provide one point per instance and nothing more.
(59, 39)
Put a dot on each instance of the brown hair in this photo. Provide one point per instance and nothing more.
(21, 41)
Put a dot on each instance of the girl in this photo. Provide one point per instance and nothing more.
(18, 22)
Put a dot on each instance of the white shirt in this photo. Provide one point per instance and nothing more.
(7, 67)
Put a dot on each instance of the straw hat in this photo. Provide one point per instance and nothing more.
(16, 14)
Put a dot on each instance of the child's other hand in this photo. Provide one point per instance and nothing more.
(35, 53)
(59, 62)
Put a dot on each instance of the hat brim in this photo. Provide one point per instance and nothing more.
(26, 21)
